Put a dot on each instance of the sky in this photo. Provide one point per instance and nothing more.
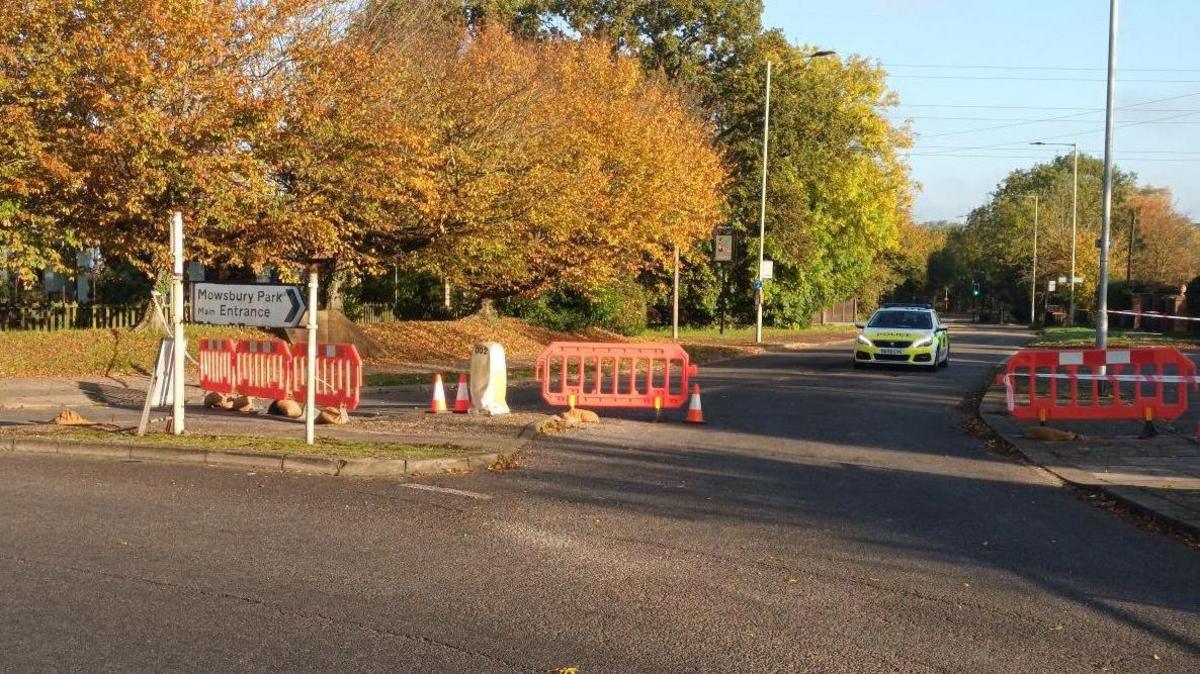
(981, 79)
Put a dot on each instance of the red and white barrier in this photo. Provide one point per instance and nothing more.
(339, 374)
(1169, 371)
(270, 369)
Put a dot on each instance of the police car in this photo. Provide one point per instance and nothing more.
(903, 334)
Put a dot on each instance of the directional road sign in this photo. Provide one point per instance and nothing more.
(261, 305)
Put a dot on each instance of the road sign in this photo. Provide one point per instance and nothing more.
(723, 248)
(768, 269)
(1053, 285)
(260, 305)
(756, 284)
(1062, 279)
(1078, 279)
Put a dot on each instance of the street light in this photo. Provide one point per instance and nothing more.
(762, 211)
(1106, 212)
(1074, 220)
(1033, 274)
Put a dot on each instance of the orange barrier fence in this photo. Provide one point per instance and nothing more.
(218, 372)
(1099, 384)
(594, 374)
(270, 369)
(262, 369)
(339, 374)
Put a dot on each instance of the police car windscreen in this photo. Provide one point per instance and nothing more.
(903, 320)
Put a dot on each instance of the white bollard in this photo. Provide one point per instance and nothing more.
(489, 379)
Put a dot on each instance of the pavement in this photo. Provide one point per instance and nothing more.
(385, 414)
(825, 520)
(1159, 476)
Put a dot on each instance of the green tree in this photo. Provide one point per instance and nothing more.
(838, 193)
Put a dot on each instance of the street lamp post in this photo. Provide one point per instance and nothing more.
(762, 209)
(1033, 273)
(1074, 220)
(1106, 212)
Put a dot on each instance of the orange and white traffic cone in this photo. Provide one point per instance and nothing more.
(462, 402)
(695, 415)
(438, 404)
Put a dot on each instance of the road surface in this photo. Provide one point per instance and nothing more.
(826, 520)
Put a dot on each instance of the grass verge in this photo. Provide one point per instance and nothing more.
(1077, 337)
(93, 353)
(245, 443)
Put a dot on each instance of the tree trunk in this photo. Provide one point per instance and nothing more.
(487, 309)
(149, 319)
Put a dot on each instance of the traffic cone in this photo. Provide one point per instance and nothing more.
(462, 403)
(695, 415)
(438, 404)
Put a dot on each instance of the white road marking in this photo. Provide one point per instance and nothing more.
(447, 490)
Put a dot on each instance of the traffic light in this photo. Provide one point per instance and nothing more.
(974, 288)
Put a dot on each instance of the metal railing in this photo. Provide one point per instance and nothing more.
(374, 312)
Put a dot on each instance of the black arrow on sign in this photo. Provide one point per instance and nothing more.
(293, 317)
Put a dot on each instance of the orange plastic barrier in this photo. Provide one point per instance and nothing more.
(1138, 384)
(339, 374)
(594, 374)
(217, 365)
(272, 370)
(262, 369)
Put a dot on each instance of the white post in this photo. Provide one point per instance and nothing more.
(179, 349)
(762, 211)
(310, 375)
(675, 300)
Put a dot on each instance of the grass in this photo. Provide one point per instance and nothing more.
(322, 447)
(1085, 337)
(100, 352)
(448, 378)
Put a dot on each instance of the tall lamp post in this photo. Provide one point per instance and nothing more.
(1074, 220)
(762, 210)
(1033, 273)
(1106, 212)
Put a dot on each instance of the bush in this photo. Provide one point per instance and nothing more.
(620, 308)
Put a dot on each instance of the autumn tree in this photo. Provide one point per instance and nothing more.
(998, 244)
(138, 108)
(557, 163)
(1166, 247)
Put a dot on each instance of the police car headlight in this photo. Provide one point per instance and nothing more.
(862, 339)
(923, 342)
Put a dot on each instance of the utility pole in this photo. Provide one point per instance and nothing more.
(1033, 274)
(1106, 218)
(1129, 258)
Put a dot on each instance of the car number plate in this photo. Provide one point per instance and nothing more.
(892, 352)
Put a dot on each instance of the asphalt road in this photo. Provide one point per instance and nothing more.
(826, 520)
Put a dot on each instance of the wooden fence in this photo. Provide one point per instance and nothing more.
(70, 316)
(842, 312)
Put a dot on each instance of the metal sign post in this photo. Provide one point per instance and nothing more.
(310, 375)
(179, 343)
